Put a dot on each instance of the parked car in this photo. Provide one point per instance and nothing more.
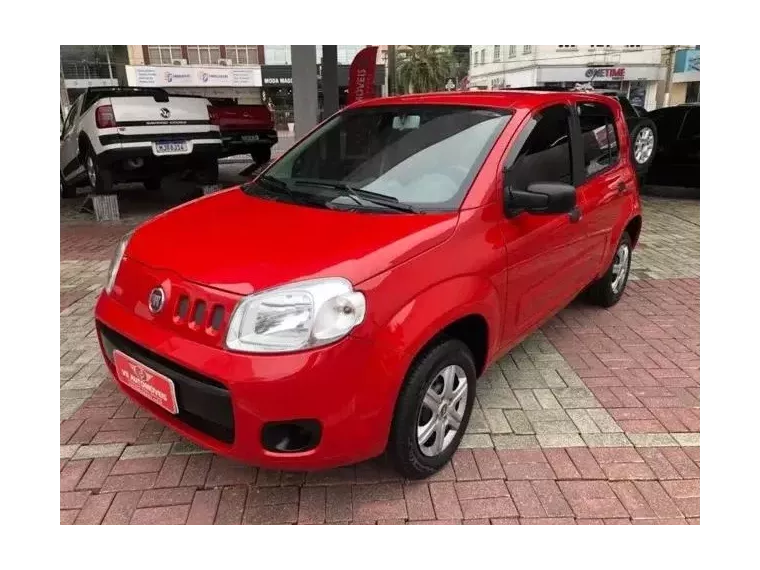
(127, 134)
(344, 302)
(246, 129)
(677, 162)
(641, 129)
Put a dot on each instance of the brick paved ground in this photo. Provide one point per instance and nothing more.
(592, 420)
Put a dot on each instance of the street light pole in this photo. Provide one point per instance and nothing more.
(391, 70)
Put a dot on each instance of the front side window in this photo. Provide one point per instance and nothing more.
(424, 157)
(545, 154)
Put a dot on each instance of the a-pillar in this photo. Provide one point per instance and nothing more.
(330, 79)
(305, 100)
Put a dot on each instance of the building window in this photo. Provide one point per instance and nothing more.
(527, 49)
(497, 53)
(242, 55)
(475, 58)
(567, 47)
(164, 55)
(204, 55)
(483, 55)
(633, 47)
(512, 51)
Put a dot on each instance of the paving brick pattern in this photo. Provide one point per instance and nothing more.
(594, 419)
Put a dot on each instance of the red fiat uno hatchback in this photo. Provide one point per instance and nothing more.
(345, 301)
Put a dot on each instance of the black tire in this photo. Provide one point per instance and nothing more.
(208, 173)
(403, 449)
(262, 156)
(601, 292)
(153, 184)
(67, 190)
(643, 123)
(103, 176)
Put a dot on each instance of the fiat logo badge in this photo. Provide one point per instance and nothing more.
(156, 300)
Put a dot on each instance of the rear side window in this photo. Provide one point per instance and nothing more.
(600, 141)
(545, 154)
(690, 127)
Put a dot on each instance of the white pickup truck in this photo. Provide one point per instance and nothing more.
(128, 134)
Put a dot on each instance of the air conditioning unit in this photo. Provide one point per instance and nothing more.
(224, 62)
(179, 62)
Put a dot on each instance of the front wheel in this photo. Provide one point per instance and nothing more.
(67, 190)
(607, 290)
(433, 409)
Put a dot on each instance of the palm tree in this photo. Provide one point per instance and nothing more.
(423, 68)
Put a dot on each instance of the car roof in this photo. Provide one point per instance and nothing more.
(504, 99)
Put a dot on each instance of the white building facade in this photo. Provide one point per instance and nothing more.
(634, 70)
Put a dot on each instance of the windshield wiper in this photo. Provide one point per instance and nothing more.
(276, 186)
(361, 197)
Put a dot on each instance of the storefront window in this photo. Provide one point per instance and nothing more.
(637, 94)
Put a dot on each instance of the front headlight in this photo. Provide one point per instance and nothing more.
(296, 316)
(113, 269)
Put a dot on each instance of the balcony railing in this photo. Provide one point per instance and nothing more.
(87, 70)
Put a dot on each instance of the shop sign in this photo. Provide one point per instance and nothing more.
(606, 73)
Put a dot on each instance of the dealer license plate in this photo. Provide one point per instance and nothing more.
(148, 383)
(171, 147)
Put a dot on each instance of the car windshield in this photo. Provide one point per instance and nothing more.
(387, 158)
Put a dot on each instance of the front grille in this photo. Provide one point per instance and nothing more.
(204, 404)
(200, 317)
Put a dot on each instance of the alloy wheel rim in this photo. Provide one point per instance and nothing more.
(644, 145)
(91, 171)
(442, 410)
(620, 268)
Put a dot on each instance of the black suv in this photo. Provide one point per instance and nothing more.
(641, 128)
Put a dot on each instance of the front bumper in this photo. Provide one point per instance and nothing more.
(226, 399)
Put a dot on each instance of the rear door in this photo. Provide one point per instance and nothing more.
(69, 141)
(606, 176)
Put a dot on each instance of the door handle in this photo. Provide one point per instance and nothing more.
(575, 215)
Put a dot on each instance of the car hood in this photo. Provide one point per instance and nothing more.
(242, 244)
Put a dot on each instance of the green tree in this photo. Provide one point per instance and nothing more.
(421, 69)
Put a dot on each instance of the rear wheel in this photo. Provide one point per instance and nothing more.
(643, 145)
(607, 290)
(433, 409)
(262, 156)
(99, 177)
(208, 173)
(153, 183)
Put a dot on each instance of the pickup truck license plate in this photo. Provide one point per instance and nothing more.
(170, 147)
(250, 138)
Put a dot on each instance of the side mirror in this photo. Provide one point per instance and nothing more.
(541, 198)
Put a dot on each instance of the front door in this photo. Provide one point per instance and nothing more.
(605, 179)
(70, 165)
(544, 251)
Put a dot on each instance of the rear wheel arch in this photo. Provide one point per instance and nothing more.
(634, 229)
(84, 144)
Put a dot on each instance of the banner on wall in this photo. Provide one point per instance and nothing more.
(361, 75)
(193, 76)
